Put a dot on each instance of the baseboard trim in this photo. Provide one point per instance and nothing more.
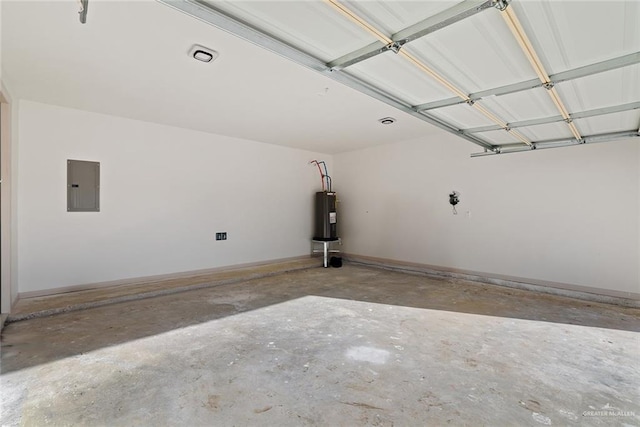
(253, 271)
(154, 278)
(3, 319)
(626, 299)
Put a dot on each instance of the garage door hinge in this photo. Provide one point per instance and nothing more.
(395, 47)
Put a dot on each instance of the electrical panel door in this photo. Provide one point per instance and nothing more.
(83, 186)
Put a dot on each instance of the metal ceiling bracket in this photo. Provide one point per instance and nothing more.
(555, 119)
(456, 13)
(369, 51)
(548, 85)
(607, 110)
(429, 25)
(395, 47)
(565, 142)
(599, 67)
(576, 73)
(501, 5)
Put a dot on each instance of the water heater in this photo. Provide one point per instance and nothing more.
(326, 219)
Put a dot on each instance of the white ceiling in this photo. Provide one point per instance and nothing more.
(130, 60)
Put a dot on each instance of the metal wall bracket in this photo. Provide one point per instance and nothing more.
(84, 4)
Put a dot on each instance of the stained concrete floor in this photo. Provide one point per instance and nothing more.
(332, 347)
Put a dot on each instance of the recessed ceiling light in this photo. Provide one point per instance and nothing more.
(203, 54)
(387, 120)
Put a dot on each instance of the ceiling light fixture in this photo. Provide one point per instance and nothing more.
(202, 56)
(517, 30)
(387, 120)
(202, 53)
(424, 67)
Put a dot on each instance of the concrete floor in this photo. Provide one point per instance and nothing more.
(333, 347)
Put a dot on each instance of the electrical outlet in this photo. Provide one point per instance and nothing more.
(221, 236)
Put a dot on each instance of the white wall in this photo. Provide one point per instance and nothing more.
(15, 219)
(5, 198)
(165, 192)
(10, 112)
(566, 215)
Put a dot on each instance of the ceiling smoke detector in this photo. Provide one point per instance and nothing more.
(203, 54)
(387, 120)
